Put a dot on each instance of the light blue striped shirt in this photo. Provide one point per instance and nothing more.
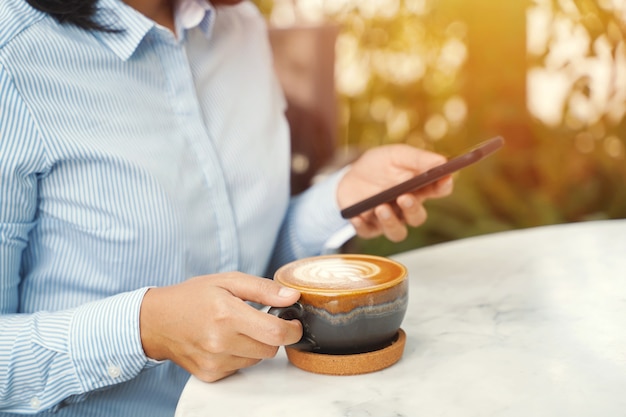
(130, 160)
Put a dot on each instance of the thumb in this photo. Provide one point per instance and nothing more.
(417, 160)
(260, 290)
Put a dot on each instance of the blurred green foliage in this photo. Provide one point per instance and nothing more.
(459, 72)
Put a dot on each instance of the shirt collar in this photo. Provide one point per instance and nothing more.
(134, 26)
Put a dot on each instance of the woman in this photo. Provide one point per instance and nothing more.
(144, 192)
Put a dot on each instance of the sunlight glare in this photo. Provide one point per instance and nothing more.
(385, 9)
(547, 91)
(570, 43)
(283, 14)
(311, 10)
(452, 56)
(337, 6)
(352, 71)
(398, 124)
(417, 7)
(614, 147)
(379, 108)
(569, 7)
(455, 110)
(398, 67)
(538, 22)
(436, 127)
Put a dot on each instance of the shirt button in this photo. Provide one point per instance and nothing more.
(35, 403)
(114, 371)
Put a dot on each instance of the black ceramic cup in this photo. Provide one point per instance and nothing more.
(349, 303)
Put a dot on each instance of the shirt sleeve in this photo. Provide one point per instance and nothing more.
(313, 224)
(46, 357)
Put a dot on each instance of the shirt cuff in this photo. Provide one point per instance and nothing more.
(105, 342)
(338, 239)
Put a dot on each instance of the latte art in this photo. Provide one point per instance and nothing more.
(335, 272)
(340, 273)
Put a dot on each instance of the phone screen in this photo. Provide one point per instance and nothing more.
(475, 154)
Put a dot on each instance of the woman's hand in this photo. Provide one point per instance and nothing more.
(380, 168)
(205, 326)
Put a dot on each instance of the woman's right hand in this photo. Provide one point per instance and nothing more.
(205, 326)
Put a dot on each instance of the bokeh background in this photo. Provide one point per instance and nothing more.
(547, 75)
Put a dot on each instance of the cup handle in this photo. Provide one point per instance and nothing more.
(295, 312)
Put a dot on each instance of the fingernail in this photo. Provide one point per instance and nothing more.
(407, 202)
(287, 292)
(446, 185)
(385, 214)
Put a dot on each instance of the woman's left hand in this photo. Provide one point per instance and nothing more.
(383, 167)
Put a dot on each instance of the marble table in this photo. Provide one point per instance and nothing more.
(522, 323)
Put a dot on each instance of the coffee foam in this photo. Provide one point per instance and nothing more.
(331, 273)
(339, 273)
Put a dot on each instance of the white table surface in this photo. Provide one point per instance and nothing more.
(525, 323)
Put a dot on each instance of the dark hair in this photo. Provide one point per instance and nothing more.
(76, 12)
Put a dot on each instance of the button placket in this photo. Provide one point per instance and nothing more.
(186, 104)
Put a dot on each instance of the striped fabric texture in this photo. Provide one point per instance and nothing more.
(129, 160)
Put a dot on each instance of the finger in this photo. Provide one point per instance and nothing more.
(417, 161)
(444, 186)
(267, 329)
(213, 366)
(259, 290)
(246, 347)
(238, 344)
(392, 226)
(413, 211)
(212, 376)
(236, 317)
(441, 188)
(366, 225)
(219, 367)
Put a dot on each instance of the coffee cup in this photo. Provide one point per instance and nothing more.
(350, 303)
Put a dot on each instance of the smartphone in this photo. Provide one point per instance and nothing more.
(469, 157)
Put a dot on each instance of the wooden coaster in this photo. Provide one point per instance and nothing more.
(355, 364)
